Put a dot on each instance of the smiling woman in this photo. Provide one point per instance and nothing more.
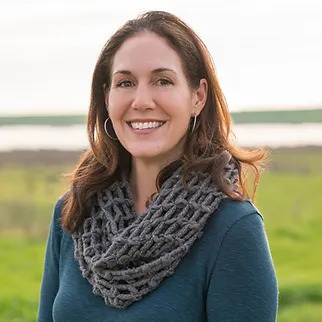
(150, 102)
(156, 225)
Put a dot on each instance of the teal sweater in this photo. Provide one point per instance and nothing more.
(228, 275)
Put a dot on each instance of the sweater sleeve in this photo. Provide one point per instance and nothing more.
(50, 278)
(243, 285)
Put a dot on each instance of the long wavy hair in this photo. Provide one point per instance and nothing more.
(209, 147)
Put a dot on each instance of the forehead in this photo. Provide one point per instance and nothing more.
(146, 51)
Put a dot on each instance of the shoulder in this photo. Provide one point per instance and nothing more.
(56, 216)
(58, 207)
(233, 222)
(230, 213)
(241, 279)
(235, 210)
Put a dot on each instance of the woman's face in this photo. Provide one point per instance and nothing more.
(150, 102)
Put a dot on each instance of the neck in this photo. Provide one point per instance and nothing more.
(143, 182)
(144, 173)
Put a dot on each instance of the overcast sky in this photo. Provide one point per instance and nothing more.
(268, 54)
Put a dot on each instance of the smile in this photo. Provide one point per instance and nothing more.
(145, 125)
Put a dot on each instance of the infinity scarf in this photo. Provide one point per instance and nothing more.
(125, 256)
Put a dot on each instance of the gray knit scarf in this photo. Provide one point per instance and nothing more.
(125, 256)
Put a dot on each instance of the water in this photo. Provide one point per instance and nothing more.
(279, 135)
(28, 137)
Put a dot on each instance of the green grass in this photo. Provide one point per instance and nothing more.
(20, 273)
(291, 205)
(304, 312)
(289, 197)
(27, 198)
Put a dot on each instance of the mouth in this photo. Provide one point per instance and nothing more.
(145, 125)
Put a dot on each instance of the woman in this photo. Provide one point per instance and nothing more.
(156, 225)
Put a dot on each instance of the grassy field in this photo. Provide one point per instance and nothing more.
(289, 198)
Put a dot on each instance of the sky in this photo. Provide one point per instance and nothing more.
(268, 54)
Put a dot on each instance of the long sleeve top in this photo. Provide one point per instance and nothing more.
(228, 275)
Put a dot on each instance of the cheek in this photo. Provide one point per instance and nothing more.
(181, 114)
(116, 110)
(180, 104)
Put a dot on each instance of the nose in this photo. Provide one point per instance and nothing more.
(143, 98)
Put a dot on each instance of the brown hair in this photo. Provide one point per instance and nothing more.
(209, 147)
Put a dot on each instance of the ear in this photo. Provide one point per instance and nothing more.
(200, 96)
(106, 96)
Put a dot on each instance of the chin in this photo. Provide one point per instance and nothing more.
(146, 154)
(156, 153)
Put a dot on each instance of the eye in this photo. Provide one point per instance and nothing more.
(125, 83)
(164, 82)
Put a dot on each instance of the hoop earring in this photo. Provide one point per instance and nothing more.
(105, 129)
(194, 124)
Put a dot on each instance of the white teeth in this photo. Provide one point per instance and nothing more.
(145, 125)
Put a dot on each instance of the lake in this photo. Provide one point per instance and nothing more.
(35, 137)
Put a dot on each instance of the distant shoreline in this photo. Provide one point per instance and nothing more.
(243, 117)
(39, 157)
(58, 157)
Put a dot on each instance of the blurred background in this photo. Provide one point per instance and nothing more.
(268, 56)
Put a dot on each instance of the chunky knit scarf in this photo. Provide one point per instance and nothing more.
(125, 256)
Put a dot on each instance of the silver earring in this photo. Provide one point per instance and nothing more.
(194, 124)
(105, 129)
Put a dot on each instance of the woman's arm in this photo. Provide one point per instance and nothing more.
(243, 285)
(50, 279)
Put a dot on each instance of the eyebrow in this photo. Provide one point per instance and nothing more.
(154, 71)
